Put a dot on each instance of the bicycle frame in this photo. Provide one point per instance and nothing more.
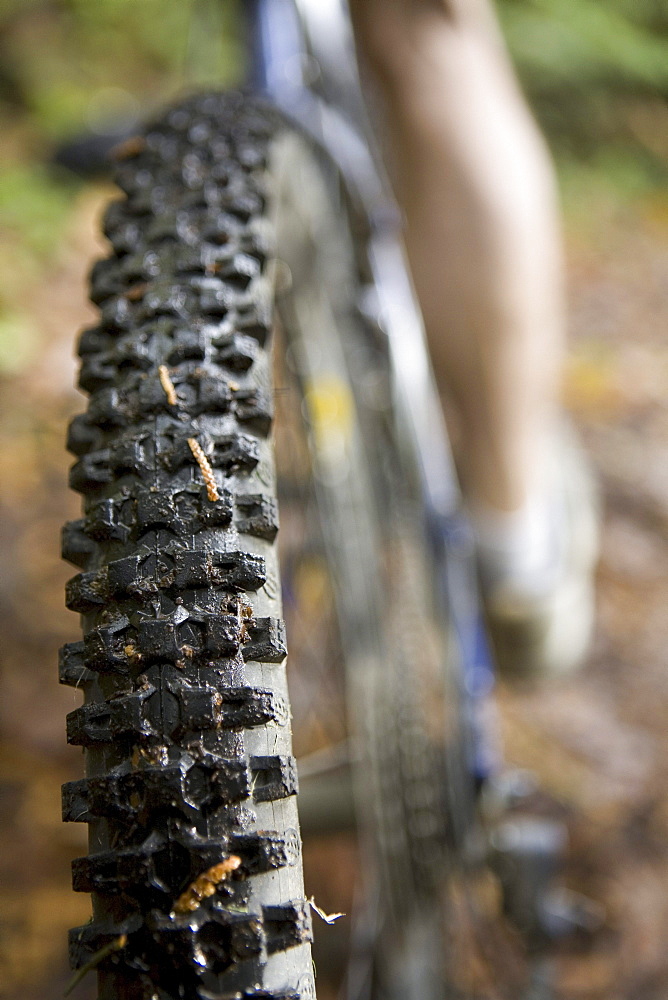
(303, 59)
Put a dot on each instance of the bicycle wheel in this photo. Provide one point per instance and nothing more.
(404, 760)
(354, 488)
(194, 861)
(189, 791)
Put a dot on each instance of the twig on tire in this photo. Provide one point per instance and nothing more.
(168, 385)
(205, 885)
(207, 471)
(329, 918)
(116, 945)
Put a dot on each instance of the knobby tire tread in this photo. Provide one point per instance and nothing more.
(185, 721)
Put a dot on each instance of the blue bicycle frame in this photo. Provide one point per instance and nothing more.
(302, 58)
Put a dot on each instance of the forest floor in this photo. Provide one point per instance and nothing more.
(598, 742)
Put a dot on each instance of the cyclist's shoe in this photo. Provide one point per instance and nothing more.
(542, 628)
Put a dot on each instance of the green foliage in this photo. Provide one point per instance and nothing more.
(69, 66)
(34, 208)
(34, 204)
(57, 53)
(588, 64)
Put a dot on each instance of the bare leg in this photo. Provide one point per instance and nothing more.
(475, 182)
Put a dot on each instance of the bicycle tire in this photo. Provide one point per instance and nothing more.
(194, 862)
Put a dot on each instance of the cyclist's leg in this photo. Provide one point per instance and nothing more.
(475, 182)
(476, 185)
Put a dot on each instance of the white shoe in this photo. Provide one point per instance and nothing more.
(545, 631)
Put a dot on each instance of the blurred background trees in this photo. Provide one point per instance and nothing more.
(596, 72)
(594, 69)
(588, 65)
